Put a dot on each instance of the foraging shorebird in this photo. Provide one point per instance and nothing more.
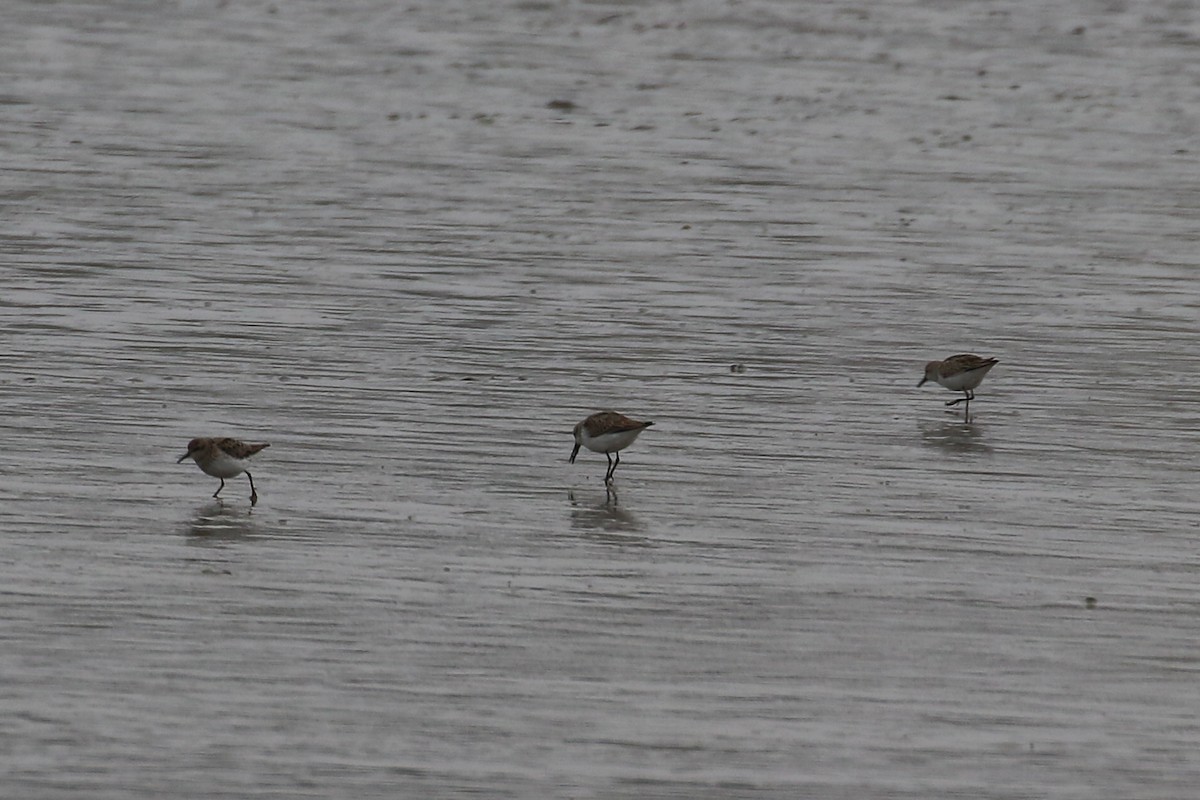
(960, 373)
(223, 458)
(607, 432)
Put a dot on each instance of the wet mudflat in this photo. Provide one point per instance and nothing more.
(411, 246)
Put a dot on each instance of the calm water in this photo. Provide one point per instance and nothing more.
(410, 245)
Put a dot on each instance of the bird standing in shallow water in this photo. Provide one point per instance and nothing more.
(223, 458)
(960, 373)
(607, 432)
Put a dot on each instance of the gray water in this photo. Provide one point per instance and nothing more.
(411, 245)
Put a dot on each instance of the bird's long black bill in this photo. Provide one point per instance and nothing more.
(574, 453)
(922, 383)
(182, 457)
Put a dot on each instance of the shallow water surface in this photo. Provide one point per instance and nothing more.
(411, 246)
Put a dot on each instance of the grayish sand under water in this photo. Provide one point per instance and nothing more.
(411, 245)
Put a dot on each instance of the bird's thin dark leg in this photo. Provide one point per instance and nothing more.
(617, 463)
(608, 474)
(219, 488)
(967, 397)
(253, 492)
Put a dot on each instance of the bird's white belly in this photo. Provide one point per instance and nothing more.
(224, 466)
(963, 381)
(610, 442)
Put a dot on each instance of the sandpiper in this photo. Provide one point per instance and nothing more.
(960, 373)
(223, 458)
(607, 432)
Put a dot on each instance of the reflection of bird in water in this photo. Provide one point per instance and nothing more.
(216, 521)
(955, 437)
(223, 458)
(607, 432)
(607, 518)
(960, 373)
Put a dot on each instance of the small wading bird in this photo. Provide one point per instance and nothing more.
(960, 373)
(223, 458)
(607, 432)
